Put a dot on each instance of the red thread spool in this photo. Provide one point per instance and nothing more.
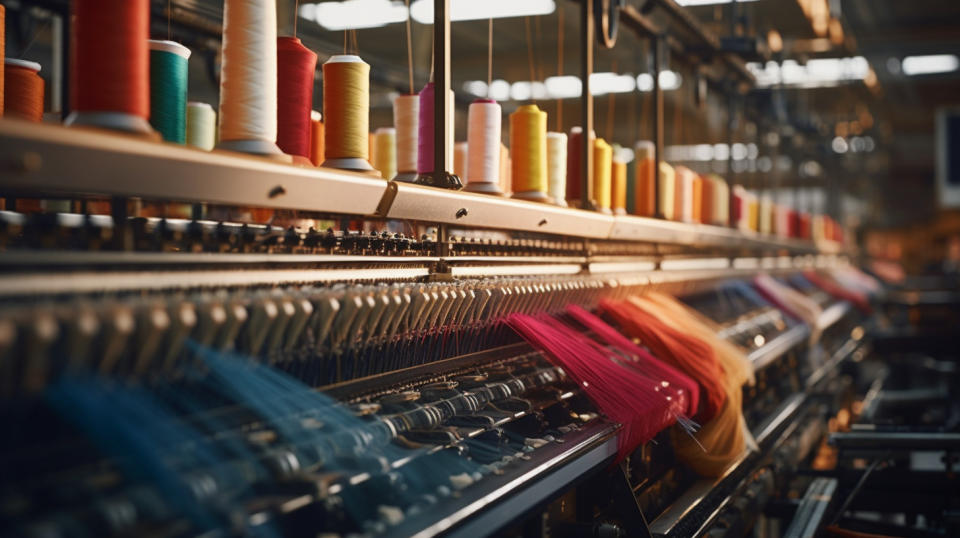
(110, 73)
(296, 67)
(23, 90)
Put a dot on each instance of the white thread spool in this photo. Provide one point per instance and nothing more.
(201, 125)
(484, 123)
(667, 183)
(557, 167)
(385, 151)
(460, 160)
(248, 77)
(406, 120)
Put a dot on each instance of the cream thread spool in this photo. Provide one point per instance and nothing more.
(201, 126)
(602, 169)
(667, 179)
(528, 149)
(406, 118)
(557, 167)
(248, 78)
(484, 124)
(684, 194)
(346, 112)
(385, 142)
(720, 194)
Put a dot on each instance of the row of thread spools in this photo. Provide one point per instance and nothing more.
(122, 80)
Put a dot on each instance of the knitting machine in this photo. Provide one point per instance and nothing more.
(345, 369)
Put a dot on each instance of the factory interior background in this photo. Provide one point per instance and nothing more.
(522, 268)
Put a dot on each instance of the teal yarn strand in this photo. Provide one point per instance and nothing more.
(168, 90)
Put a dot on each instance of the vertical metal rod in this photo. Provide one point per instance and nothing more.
(586, 105)
(657, 45)
(441, 79)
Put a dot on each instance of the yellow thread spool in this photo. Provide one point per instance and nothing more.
(618, 187)
(602, 170)
(385, 151)
(668, 184)
(528, 149)
(346, 112)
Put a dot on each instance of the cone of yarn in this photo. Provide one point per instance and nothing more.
(602, 169)
(506, 169)
(697, 199)
(201, 126)
(483, 147)
(22, 90)
(426, 132)
(706, 200)
(248, 78)
(460, 160)
(644, 202)
(110, 65)
(667, 179)
(346, 112)
(618, 187)
(574, 155)
(385, 144)
(316, 138)
(528, 150)
(296, 68)
(720, 200)
(168, 89)
(557, 168)
(684, 200)
(406, 120)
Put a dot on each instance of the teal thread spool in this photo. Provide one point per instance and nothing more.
(201, 126)
(168, 89)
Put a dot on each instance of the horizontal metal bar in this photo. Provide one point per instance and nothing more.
(893, 440)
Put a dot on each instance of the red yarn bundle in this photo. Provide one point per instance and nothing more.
(828, 285)
(687, 353)
(296, 67)
(640, 359)
(641, 404)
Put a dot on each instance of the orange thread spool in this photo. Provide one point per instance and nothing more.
(23, 90)
(316, 138)
(618, 187)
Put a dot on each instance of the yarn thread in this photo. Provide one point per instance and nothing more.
(168, 89)
(557, 167)
(406, 111)
(23, 90)
(346, 111)
(484, 126)
(528, 149)
(296, 68)
(602, 169)
(385, 144)
(201, 126)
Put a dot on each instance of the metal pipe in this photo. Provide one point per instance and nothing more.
(441, 79)
(586, 104)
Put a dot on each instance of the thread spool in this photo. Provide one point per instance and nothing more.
(23, 90)
(644, 193)
(168, 89)
(754, 212)
(574, 143)
(346, 112)
(201, 126)
(385, 142)
(667, 179)
(506, 170)
(618, 187)
(371, 148)
(296, 68)
(248, 77)
(110, 73)
(484, 125)
(426, 131)
(406, 120)
(557, 168)
(316, 138)
(706, 200)
(460, 160)
(683, 210)
(765, 216)
(528, 149)
(697, 198)
(3, 41)
(720, 199)
(631, 188)
(602, 169)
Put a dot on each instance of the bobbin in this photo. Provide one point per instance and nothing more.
(475, 137)
(177, 49)
(349, 163)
